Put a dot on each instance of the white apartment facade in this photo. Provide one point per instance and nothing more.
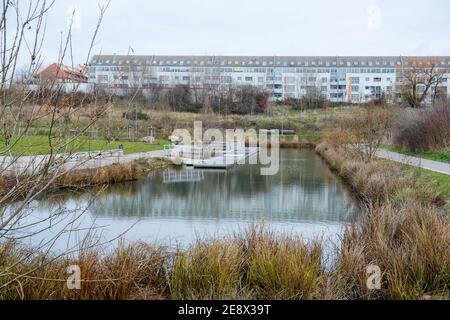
(338, 79)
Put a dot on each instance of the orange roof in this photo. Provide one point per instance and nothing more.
(62, 72)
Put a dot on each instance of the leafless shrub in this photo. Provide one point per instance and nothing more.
(362, 132)
(427, 130)
(25, 179)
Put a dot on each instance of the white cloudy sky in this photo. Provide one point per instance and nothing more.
(259, 27)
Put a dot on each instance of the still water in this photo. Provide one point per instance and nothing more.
(178, 206)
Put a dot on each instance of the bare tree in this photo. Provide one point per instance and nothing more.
(420, 81)
(363, 132)
(23, 179)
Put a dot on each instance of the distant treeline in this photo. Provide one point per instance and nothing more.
(183, 98)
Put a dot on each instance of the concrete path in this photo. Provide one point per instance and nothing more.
(28, 164)
(436, 166)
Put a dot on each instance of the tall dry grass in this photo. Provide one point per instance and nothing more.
(130, 272)
(410, 245)
(404, 233)
(256, 264)
(371, 182)
(378, 182)
(85, 178)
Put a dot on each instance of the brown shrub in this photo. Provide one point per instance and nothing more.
(427, 130)
(372, 183)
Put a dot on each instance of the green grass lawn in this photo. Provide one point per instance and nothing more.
(442, 156)
(437, 180)
(39, 145)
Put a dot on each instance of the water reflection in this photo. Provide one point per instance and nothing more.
(304, 190)
(179, 206)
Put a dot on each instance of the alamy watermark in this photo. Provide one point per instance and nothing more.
(373, 21)
(374, 277)
(74, 279)
(233, 145)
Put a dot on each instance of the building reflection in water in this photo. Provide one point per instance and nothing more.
(303, 191)
(179, 206)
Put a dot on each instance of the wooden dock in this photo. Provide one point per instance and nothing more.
(194, 157)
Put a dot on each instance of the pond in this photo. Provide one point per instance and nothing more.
(177, 207)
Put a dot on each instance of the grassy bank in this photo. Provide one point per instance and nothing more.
(117, 173)
(39, 145)
(442, 156)
(440, 182)
(81, 179)
(404, 233)
(287, 142)
(381, 181)
(410, 247)
(254, 264)
(113, 126)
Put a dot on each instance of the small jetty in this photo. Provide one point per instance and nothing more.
(214, 155)
(172, 176)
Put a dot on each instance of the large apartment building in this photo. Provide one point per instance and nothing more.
(338, 79)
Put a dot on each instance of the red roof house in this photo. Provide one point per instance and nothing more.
(64, 73)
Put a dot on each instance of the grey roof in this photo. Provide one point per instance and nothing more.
(263, 61)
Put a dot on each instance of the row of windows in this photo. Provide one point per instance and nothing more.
(353, 80)
(229, 80)
(254, 62)
(288, 80)
(242, 70)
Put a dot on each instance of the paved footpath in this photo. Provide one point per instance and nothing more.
(31, 163)
(436, 166)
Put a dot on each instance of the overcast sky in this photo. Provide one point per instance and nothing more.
(259, 27)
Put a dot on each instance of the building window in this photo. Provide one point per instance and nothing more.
(103, 78)
(376, 79)
(290, 79)
(248, 78)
